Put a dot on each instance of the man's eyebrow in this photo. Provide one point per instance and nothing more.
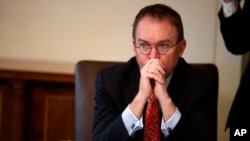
(141, 40)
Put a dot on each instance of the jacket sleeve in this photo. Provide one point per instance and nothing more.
(235, 31)
(108, 124)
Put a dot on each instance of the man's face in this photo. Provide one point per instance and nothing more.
(154, 32)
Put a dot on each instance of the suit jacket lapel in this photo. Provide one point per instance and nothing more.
(178, 85)
(131, 81)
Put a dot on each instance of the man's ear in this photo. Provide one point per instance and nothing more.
(134, 48)
(182, 47)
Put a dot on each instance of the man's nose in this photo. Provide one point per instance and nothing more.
(154, 53)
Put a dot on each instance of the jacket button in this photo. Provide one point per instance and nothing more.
(133, 125)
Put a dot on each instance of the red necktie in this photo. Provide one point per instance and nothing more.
(152, 121)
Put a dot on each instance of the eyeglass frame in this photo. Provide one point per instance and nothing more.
(157, 46)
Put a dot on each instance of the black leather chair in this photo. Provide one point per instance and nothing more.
(85, 74)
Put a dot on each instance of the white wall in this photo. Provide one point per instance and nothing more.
(39, 35)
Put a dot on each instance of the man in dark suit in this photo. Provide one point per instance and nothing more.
(235, 29)
(186, 95)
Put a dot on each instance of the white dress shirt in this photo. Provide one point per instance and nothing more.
(229, 8)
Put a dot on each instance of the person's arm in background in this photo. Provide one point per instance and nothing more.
(234, 27)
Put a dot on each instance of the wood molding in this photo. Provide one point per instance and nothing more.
(36, 76)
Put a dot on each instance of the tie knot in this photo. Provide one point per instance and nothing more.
(152, 97)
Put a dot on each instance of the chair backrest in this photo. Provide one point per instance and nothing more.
(85, 74)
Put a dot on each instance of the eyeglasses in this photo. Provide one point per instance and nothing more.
(162, 48)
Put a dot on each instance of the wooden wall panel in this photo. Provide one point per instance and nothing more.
(36, 106)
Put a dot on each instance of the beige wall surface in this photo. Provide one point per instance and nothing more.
(67, 31)
(52, 35)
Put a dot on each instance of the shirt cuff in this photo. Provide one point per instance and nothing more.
(169, 125)
(229, 8)
(131, 122)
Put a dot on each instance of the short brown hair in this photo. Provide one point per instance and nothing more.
(160, 11)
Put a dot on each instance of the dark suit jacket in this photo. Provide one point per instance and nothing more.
(193, 91)
(235, 32)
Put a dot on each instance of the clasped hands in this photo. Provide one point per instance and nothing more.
(153, 70)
